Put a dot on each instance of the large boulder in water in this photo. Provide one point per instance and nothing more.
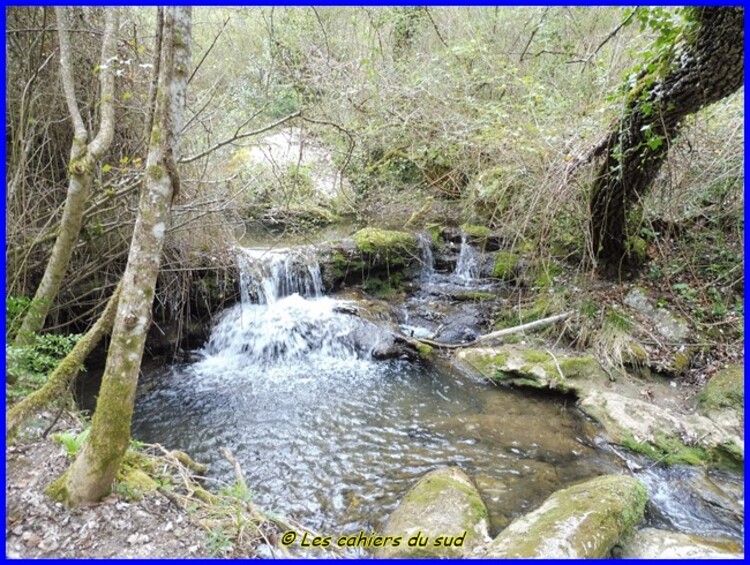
(444, 505)
(651, 543)
(585, 520)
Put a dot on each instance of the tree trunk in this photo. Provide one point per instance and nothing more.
(83, 158)
(93, 471)
(704, 68)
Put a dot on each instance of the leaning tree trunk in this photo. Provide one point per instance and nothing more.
(706, 67)
(83, 158)
(92, 473)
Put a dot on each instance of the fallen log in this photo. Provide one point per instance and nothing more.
(413, 341)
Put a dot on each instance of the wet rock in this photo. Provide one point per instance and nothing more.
(651, 543)
(534, 368)
(662, 434)
(443, 503)
(585, 520)
(671, 327)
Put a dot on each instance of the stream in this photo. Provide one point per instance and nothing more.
(333, 438)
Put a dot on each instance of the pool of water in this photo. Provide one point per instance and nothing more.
(334, 439)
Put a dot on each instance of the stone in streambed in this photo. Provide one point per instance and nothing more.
(443, 503)
(651, 543)
(585, 520)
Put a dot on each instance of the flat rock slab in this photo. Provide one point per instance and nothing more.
(651, 543)
(629, 419)
(585, 520)
(667, 324)
(444, 503)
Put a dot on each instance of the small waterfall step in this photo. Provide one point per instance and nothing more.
(266, 275)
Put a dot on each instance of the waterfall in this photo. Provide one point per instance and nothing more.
(283, 317)
(467, 266)
(268, 275)
(424, 241)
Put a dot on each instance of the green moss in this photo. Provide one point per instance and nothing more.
(424, 350)
(374, 241)
(582, 366)
(544, 273)
(585, 520)
(725, 390)
(670, 450)
(637, 247)
(489, 365)
(535, 356)
(133, 484)
(155, 172)
(505, 265)
(680, 363)
(58, 489)
(476, 235)
(435, 232)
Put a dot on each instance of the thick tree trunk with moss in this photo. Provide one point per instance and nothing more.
(83, 158)
(91, 475)
(57, 386)
(706, 66)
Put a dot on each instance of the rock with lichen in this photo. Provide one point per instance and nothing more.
(443, 503)
(585, 520)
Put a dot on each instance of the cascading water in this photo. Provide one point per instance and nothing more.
(427, 257)
(467, 266)
(267, 275)
(329, 436)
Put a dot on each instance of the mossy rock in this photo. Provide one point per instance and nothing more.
(133, 483)
(425, 351)
(476, 235)
(443, 503)
(661, 434)
(533, 368)
(725, 390)
(505, 265)
(585, 520)
(393, 246)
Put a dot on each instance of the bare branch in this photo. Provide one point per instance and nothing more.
(106, 133)
(237, 136)
(66, 72)
(208, 51)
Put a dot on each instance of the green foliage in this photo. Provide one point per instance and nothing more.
(29, 366)
(218, 542)
(239, 491)
(72, 441)
(505, 265)
(15, 309)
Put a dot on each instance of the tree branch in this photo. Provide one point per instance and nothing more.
(237, 136)
(106, 133)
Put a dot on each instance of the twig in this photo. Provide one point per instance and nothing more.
(559, 370)
(238, 136)
(210, 48)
